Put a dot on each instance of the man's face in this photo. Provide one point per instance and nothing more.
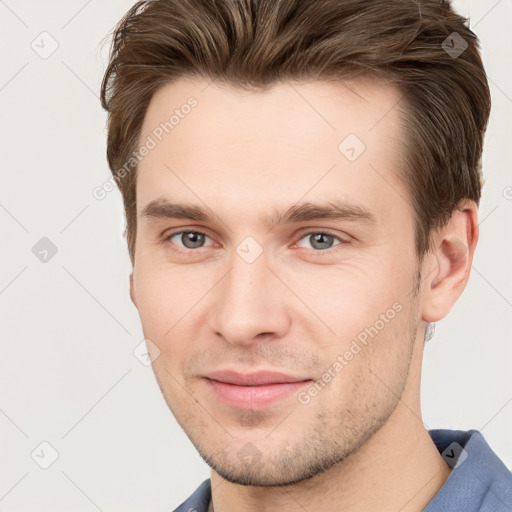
(252, 290)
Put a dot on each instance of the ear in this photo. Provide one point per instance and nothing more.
(132, 292)
(448, 265)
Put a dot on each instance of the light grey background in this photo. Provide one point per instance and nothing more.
(68, 374)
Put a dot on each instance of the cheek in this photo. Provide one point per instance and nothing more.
(367, 308)
(370, 364)
(161, 298)
(157, 278)
(169, 297)
(349, 297)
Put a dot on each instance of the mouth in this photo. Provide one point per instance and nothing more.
(256, 391)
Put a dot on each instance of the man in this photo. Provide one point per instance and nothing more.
(301, 182)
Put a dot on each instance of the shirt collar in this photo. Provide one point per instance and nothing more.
(479, 480)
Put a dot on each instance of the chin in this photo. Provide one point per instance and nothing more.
(248, 467)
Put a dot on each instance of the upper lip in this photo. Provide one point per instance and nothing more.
(260, 378)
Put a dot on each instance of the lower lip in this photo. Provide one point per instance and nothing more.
(254, 397)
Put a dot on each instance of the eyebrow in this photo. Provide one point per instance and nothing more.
(307, 211)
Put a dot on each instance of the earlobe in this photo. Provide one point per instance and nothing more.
(453, 255)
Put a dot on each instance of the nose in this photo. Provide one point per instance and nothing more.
(249, 304)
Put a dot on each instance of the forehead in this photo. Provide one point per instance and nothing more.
(292, 141)
(294, 110)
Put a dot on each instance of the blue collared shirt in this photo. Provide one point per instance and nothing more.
(479, 481)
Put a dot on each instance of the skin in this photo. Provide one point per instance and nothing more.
(296, 307)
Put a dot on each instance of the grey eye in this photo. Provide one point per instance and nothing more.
(320, 241)
(189, 239)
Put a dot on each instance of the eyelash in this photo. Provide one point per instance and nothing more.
(168, 236)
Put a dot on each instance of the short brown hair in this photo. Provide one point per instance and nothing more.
(423, 46)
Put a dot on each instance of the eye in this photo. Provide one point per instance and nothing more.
(320, 241)
(188, 239)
